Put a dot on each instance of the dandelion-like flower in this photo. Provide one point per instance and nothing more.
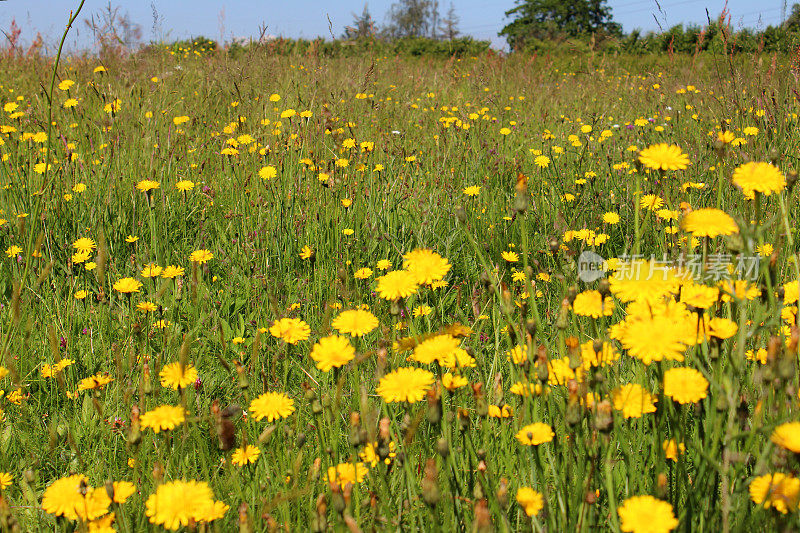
(127, 285)
(759, 177)
(425, 266)
(535, 434)
(201, 256)
(664, 157)
(332, 352)
(778, 490)
(405, 385)
(291, 330)
(163, 418)
(396, 284)
(355, 322)
(645, 514)
(709, 222)
(633, 400)
(272, 406)
(176, 504)
(245, 456)
(787, 436)
(177, 376)
(685, 385)
(592, 304)
(345, 473)
(530, 500)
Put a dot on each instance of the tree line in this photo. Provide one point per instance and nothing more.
(546, 25)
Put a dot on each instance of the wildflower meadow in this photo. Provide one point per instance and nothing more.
(384, 292)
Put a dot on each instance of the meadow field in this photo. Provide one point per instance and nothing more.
(508, 293)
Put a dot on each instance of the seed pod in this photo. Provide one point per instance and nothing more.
(502, 494)
(483, 518)
(434, 411)
(135, 431)
(563, 315)
(443, 447)
(481, 405)
(461, 214)
(226, 432)
(355, 430)
(430, 484)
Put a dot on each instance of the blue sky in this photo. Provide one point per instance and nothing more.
(309, 18)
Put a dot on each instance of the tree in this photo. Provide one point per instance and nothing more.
(448, 28)
(549, 19)
(409, 18)
(363, 26)
(792, 22)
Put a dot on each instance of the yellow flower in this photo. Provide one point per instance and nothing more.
(306, 253)
(176, 376)
(645, 514)
(151, 271)
(127, 285)
(268, 172)
(405, 385)
(123, 490)
(146, 307)
(200, 256)
(147, 185)
(685, 385)
(511, 257)
(5, 480)
(291, 330)
(177, 504)
(72, 498)
(451, 382)
(633, 400)
(530, 500)
(776, 490)
(396, 284)
(356, 322)
(163, 418)
(272, 406)
(759, 177)
(425, 266)
(472, 190)
(709, 222)
(332, 352)
(535, 434)
(245, 456)
(345, 473)
(664, 157)
(422, 310)
(497, 411)
(172, 271)
(672, 449)
(363, 273)
(787, 436)
(591, 303)
(184, 185)
(440, 348)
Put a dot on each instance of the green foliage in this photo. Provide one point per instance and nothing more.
(197, 45)
(417, 46)
(437, 127)
(545, 20)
